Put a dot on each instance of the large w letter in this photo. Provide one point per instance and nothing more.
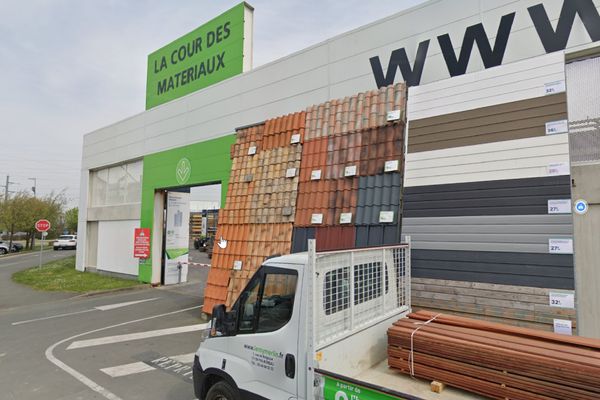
(476, 33)
(557, 40)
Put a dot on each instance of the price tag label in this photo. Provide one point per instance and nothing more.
(290, 172)
(346, 218)
(560, 246)
(316, 219)
(555, 169)
(315, 175)
(554, 87)
(237, 265)
(252, 150)
(386, 216)
(295, 138)
(555, 127)
(393, 115)
(391, 165)
(563, 326)
(562, 300)
(559, 206)
(350, 170)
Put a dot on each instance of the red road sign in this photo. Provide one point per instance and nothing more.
(42, 225)
(141, 243)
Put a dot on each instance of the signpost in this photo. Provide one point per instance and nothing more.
(141, 243)
(42, 226)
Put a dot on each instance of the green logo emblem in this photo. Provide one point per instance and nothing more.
(183, 171)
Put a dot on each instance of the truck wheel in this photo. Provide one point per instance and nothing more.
(221, 391)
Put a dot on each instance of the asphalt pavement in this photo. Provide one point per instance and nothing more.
(61, 346)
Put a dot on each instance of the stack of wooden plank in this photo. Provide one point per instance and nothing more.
(495, 360)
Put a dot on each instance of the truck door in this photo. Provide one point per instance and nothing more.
(266, 341)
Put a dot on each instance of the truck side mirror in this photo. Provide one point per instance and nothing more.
(223, 322)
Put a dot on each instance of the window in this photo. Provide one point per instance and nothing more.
(121, 184)
(367, 286)
(266, 305)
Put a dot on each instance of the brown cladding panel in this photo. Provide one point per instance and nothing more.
(516, 120)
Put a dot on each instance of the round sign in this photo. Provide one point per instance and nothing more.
(581, 207)
(43, 225)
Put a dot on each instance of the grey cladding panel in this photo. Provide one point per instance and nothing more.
(509, 121)
(367, 236)
(506, 197)
(377, 193)
(520, 269)
(300, 238)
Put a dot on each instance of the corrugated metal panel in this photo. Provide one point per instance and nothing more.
(508, 121)
(513, 82)
(378, 193)
(515, 159)
(520, 233)
(504, 197)
(521, 269)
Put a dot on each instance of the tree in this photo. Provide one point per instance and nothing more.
(71, 219)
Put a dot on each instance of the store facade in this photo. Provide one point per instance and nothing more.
(497, 152)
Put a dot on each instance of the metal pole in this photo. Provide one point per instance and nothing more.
(41, 247)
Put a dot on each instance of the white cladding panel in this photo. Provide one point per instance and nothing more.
(115, 247)
(511, 159)
(335, 68)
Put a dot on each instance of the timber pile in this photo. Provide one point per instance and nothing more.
(494, 360)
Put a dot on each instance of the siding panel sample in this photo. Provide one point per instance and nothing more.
(521, 269)
(503, 197)
(335, 238)
(378, 193)
(517, 159)
(377, 235)
(509, 121)
(300, 238)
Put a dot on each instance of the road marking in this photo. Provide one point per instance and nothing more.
(174, 363)
(84, 379)
(127, 369)
(135, 336)
(99, 308)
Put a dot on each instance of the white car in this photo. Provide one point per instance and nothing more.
(66, 242)
(3, 248)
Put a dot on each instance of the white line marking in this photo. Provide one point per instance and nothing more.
(51, 317)
(127, 369)
(82, 378)
(119, 305)
(184, 358)
(135, 336)
(107, 307)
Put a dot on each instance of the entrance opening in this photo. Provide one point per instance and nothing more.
(189, 228)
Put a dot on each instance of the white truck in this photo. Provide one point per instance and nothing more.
(307, 326)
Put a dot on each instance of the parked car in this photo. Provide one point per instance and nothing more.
(65, 242)
(3, 248)
(16, 247)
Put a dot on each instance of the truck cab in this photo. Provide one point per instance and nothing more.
(299, 316)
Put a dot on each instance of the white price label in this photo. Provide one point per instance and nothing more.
(554, 87)
(393, 115)
(316, 219)
(315, 175)
(559, 206)
(350, 170)
(560, 246)
(295, 138)
(346, 218)
(391, 165)
(290, 172)
(561, 168)
(563, 326)
(237, 265)
(386, 216)
(562, 300)
(252, 150)
(555, 127)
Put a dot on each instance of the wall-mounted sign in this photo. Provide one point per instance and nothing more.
(554, 87)
(315, 175)
(386, 217)
(393, 115)
(563, 326)
(562, 206)
(251, 150)
(562, 300)
(141, 243)
(581, 207)
(295, 138)
(215, 51)
(391, 165)
(560, 246)
(350, 170)
(561, 168)
(290, 172)
(345, 218)
(316, 219)
(237, 265)
(555, 127)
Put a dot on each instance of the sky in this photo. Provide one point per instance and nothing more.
(69, 67)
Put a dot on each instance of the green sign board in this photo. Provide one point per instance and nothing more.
(340, 390)
(205, 56)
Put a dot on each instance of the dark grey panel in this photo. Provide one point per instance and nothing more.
(507, 197)
(520, 269)
(377, 193)
(377, 235)
(300, 237)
